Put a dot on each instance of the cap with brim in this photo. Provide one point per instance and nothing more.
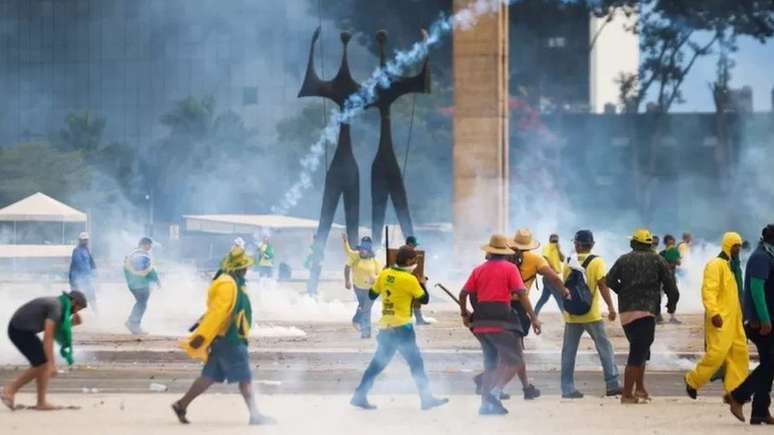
(83, 236)
(498, 245)
(643, 236)
(524, 241)
(584, 236)
(411, 240)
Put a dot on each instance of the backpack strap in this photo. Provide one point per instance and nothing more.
(588, 261)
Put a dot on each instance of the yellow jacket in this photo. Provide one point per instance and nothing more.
(719, 291)
(221, 298)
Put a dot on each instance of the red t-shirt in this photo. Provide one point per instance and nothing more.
(494, 281)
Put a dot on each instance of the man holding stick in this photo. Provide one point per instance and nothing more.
(496, 326)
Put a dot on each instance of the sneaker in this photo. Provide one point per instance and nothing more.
(755, 421)
(574, 395)
(530, 392)
(674, 321)
(261, 420)
(691, 392)
(506, 396)
(491, 406)
(617, 391)
(361, 401)
(422, 322)
(659, 319)
(433, 402)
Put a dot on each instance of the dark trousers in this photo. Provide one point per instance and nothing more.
(548, 291)
(401, 339)
(141, 296)
(758, 384)
(362, 316)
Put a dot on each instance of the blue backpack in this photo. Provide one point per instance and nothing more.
(581, 297)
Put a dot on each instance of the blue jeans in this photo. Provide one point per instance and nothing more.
(401, 339)
(572, 336)
(362, 316)
(141, 296)
(548, 291)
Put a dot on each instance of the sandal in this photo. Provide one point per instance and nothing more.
(180, 413)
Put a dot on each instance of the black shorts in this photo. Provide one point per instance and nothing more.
(640, 334)
(29, 345)
(526, 324)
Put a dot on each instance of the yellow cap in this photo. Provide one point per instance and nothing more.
(643, 235)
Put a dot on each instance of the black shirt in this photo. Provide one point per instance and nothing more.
(761, 266)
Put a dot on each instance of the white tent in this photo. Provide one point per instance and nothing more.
(39, 208)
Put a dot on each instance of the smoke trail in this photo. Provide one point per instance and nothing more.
(380, 79)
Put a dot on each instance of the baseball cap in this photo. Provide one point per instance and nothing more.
(584, 236)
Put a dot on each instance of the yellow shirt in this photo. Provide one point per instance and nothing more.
(551, 254)
(398, 290)
(364, 270)
(595, 271)
(530, 264)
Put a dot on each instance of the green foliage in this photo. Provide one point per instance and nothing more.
(39, 167)
(83, 132)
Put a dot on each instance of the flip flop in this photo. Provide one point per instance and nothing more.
(180, 413)
(7, 401)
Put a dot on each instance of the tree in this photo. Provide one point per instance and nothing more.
(83, 132)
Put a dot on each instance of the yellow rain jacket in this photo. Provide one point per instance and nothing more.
(726, 345)
(221, 297)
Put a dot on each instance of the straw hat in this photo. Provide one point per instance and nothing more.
(237, 259)
(524, 241)
(498, 245)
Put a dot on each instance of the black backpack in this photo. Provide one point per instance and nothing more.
(581, 297)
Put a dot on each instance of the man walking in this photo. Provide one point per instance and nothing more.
(492, 286)
(82, 269)
(55, 318)
(758, 312)
(672, 256)
(552, 253)
(398, 289)
(220, 339)
(725, 337)
(637, 278)
(594, 270)
(361, 269)
(140, 274)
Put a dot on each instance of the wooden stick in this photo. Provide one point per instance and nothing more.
(445, 290)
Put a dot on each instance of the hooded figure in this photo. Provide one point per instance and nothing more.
(725, 336)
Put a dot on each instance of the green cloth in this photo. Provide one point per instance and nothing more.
(64, 330)
(242, 315)
(671, 255)
(758, 292)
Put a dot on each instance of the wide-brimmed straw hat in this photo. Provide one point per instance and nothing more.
(524, 241)
(237, 259)
(498, 245)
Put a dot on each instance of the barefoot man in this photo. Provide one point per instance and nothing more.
(55, 318)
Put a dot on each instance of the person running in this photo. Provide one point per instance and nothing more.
(398, 289)
(265, 254)
(55, 318)
(491, 288)
(594, 270)
(723, 327)
(362, 269)
(82, 268)
(140, 274)
(637, 278)
(220, 338)
(672, 256)
(420, 319)
(758, 312)
(554, 256)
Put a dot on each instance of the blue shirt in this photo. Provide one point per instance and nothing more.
(81, 263)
